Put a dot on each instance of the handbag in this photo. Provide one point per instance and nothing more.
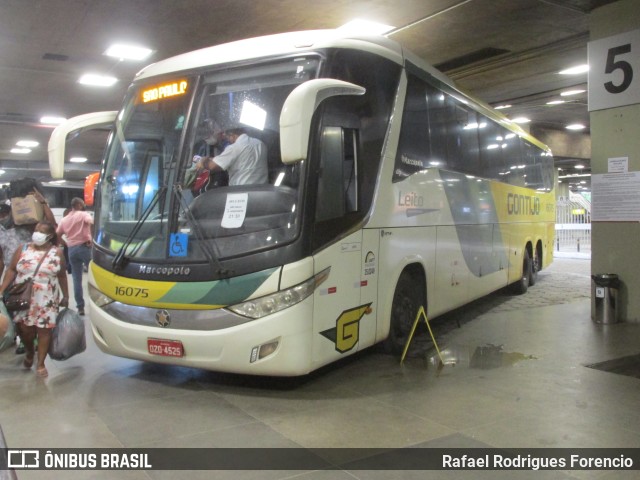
(18, 296)
(67, 337)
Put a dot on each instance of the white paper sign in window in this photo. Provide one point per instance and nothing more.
(235, 210)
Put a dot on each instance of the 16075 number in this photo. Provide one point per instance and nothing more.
(132, 292)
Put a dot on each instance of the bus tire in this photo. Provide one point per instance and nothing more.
(535, 268)
(522, 285)
(407, 300)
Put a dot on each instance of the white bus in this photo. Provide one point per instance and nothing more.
(388, 189)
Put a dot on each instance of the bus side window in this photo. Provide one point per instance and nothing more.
(338, 174)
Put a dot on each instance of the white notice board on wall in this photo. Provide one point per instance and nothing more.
(615, 197)
(614, 71)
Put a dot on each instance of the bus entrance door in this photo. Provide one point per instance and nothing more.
(338, 309)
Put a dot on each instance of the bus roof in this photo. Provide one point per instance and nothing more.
(300, 42)
(272, 45)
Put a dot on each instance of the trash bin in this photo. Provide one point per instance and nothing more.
(604, 297)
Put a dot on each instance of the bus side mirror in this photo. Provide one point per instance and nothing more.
(58, 139)
(298, 110)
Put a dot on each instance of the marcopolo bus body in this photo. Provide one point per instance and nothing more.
(387, 189)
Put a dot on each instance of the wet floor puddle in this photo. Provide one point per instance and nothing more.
(484, 357)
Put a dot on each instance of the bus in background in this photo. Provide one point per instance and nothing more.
(59, 197)
(388, 188)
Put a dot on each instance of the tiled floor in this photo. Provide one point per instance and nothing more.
(515, 375)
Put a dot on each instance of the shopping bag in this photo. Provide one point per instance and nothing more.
(67, 337)
(7, 329)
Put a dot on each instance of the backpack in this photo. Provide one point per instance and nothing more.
(201, 183)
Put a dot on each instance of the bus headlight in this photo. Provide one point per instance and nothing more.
(99, 298)
(260, 307)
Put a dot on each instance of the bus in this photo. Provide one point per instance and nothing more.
(388, 189)
(59, 197)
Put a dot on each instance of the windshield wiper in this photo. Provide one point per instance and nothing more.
(122, 252)
(211, 257)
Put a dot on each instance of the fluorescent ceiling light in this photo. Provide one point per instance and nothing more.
(579, 166)
(78, 159)
(27, 143)
(502, 107)
(575, 70)
(21, 151)
(575, 175)
(567, 93)
(128, 52)
(97, 80)
(521, 120)
(365, 27)
(575, 126)
(556, 102)
(48, 120)
(2, 172)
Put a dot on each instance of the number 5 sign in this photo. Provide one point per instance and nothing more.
(614, 71)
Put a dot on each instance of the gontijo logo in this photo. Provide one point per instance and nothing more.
(346, 333)
(522, 204)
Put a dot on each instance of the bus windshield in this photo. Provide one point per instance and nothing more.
(158, 202)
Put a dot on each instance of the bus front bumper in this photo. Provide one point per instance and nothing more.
(282, 339)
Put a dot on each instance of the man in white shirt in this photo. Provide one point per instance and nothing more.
(245, 159)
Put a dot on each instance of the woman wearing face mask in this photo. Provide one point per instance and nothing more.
(49, 282)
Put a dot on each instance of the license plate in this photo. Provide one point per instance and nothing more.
(165, 348)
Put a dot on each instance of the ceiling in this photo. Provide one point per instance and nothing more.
(501, 51)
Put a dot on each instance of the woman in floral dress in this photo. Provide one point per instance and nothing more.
(49, 283)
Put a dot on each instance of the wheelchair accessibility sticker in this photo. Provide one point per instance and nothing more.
(178, 244)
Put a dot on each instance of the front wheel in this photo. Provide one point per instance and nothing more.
(407, 300)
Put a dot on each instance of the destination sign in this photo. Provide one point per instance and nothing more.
(161, 92)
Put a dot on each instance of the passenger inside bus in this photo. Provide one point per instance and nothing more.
(245, 159)
(200, 178)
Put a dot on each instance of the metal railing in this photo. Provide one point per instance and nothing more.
(573, 224)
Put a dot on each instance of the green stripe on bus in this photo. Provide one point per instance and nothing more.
(218, 292)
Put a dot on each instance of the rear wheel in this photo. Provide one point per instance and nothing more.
(535, 268)
(407, 300)
(522, 285)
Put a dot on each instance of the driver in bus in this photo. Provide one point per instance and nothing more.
(245, 159)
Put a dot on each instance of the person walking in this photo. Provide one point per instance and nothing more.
(76, 231)
(43, 261)
(13, 236)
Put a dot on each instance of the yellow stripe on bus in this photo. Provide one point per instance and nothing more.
(150, 293)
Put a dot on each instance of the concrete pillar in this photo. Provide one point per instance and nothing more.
(615, 132)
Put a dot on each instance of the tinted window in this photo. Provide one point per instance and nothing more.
(440, 129)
